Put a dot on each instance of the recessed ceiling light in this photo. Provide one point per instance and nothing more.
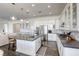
(49, 6)
(27, 21)
(21, 20)
(27, 10)
(33, 5)
(50, 13)
(13, 18)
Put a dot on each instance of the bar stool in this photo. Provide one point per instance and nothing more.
(12, 43)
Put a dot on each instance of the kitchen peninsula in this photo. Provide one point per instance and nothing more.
(67, 48)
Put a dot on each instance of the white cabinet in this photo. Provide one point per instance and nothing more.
(20, 45)
(16, 27)
(38, 44)
(28, 47)
(78, 16)
(74, 15)
(59, 45)
(51, 37)
(70, 51)
(50, 27)
(66, 51)
(66, 18)
(69, 16)
(3, 40)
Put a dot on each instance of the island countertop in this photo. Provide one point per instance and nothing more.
(70, 44)
(31, 38)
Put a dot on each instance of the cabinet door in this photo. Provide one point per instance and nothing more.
(4, 40)
(61, 50)
(20, 46)
(62, 21)
(74, 15)
(16, 27)
(50, 27)
(68, 16)
(1, 41)
(37, 44)
(58, 45)
(51, 37)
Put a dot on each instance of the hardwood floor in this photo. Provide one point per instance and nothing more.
(48, 49)
(9, 52)
(51, 49)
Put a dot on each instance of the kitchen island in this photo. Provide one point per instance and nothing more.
(29, 46)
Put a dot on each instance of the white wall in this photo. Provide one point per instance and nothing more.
(35, 22)
(10, 23)
(50, 20)
(2, 25)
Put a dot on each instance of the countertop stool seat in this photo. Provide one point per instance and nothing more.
(12, 44)
(1, 52)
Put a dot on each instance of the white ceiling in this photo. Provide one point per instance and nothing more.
(8, 10)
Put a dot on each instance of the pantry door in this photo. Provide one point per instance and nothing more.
(16, 27)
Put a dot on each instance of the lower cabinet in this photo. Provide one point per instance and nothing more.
(51, 37)
(59, 46)
(28, 47)
(70, 51)
(3, 40)
(66, 51)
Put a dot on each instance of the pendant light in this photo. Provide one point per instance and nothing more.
(21, 15)
(13, 18)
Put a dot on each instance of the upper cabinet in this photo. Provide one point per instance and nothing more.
(67, 19)
(74, 15)
(69, 15)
